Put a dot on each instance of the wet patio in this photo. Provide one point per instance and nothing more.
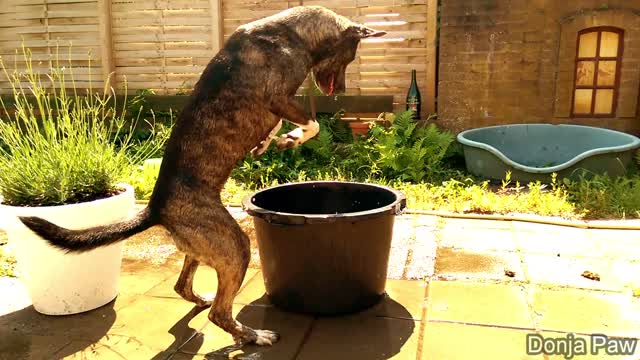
(457, 289)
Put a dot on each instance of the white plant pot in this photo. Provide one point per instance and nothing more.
(61, 283)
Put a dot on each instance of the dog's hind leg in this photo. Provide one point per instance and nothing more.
(184, 285)
(209, 233)
(231, 263)
(220, 313)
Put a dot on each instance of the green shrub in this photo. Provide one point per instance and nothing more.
(7, 263)
(64, 145)
(143, 180)
(426, 164)
(151, 126)
(604, 197)
(318, 157)
(403, 151)
(471, 196)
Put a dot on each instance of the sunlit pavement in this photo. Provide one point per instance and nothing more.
(457, 289)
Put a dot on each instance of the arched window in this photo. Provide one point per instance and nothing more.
(597, 75)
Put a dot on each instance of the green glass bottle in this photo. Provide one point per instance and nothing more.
(413, 96)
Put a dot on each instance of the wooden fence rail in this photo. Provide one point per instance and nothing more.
(163, 45)
(351, 106)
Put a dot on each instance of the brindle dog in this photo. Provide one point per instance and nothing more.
(235, 107)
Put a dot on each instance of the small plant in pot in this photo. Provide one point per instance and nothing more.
(64, 153)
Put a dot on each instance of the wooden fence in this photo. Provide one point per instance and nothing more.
(163, 45)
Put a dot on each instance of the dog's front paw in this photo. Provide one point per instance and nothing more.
(291, 139)
(260, 149)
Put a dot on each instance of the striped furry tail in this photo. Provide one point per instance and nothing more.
(78, 241)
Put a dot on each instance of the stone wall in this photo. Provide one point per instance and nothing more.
(513, 61)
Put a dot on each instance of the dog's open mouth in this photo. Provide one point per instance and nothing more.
(328, 83)
(330, 87)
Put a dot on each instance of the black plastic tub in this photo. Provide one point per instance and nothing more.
(324, 246)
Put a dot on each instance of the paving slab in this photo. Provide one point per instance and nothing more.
(616, 244)
(161, 324)
(477, 303)
(205, 283)
(541, 227)
(31, 335)
(405, 299)
(461, 342)
(357, 337)
(92, 325)
(217, 344)
(253, 292)
(605, 234)
(567, 271)
(413, 247)
(110, 347)
(421, 256)
(402, 241)
(477, 239)
(484, 314)
(17, 345)
(424, 220)
(459, 264)
(137, 278)
(586, 312)
(624, 274)
(183, 356)
(568, 242)
(459, 223)
(15, 296)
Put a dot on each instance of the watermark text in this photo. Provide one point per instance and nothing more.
(571, 346)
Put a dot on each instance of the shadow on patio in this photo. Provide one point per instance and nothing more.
(27, 334)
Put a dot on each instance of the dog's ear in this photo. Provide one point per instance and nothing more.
(362, 31)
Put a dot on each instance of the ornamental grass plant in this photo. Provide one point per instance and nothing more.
(62, 144)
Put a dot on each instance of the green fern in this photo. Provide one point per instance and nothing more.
(404, 151)
(408, 152)
(339, 130)
(322, 145)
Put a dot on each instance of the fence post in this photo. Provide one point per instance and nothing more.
(106, 41)
(431, 43)
(217, 25)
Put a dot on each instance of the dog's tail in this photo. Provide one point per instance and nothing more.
(87, 239)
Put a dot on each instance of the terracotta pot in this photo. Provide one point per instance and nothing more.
(359, 127)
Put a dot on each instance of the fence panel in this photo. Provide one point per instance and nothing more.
(164, 45)
(56, 32)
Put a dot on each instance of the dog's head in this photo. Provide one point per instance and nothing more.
(329, 70)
